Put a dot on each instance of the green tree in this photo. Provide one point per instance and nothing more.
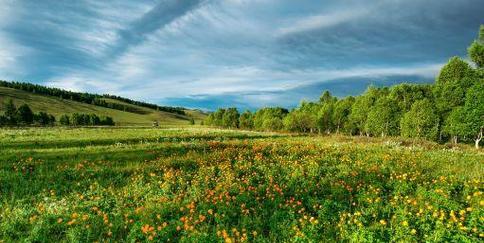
(474, 108)
(342, 110)
(270, 118)
(456, 69)
(231, 118)
(94, 120)
(383, 118)
(3, 120)
(455, 125)
(246, 120)
(309, 115)
(324, 119)
(476, 50)
(25, 115)
(218, 117)
(107, 121)
(406, 94)
(192, 121)
(298, 121)
(42, 119)
(326, 97)
(10, 112)
(451, 85)
(421, 121)
(77, 119)
(64, 120)
(273, 124)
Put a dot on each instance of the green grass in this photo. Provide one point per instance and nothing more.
(194, 184)
(58, 107)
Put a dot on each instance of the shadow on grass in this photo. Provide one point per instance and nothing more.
(101, 142)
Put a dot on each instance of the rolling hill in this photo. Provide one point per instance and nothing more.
(137, 115)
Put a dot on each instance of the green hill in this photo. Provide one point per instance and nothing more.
(137, 115)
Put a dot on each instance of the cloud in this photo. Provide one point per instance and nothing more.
(246, 52)
(162, 14)
(317, 22)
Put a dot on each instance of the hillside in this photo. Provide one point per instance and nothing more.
(57, 106)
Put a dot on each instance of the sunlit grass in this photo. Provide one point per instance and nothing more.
(197, 184)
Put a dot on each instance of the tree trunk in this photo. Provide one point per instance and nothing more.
(478, 138)
(455, 139)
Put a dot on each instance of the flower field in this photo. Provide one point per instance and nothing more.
(208, 185)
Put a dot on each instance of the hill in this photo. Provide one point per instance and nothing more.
(134, 114)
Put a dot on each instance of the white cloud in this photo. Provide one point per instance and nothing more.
(321, 21)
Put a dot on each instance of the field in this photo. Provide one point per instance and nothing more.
(194, 184)
(58, 107)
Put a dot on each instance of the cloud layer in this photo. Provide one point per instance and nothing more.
(247, 53)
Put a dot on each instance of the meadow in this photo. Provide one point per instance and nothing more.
(195, 184)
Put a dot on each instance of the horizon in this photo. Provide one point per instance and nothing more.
(240, 53)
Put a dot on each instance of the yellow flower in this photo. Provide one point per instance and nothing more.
(383, 222)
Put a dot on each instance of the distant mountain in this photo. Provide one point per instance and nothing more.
(124, 111)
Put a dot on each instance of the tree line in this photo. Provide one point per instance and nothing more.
(24, 116)
(450, 109)
(93, 99)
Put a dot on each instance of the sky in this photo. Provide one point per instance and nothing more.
(223, 53)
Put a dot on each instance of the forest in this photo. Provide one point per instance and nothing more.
(452, 108)
(94, 99)
(24, 116)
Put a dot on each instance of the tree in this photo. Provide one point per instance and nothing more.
(383, 118)
(10, 113)
(64, 120)
(456, 69)
(94, 120)
(231, 118)
(273, 124)
(406, 94)
(42, 119)
(455, 125)
(270, 118)
(218, 117)
(476, 50)
(51, 120)
(298, 121)
(361, 108)
(474, 109)
(192, 121)
(342, 110)
(421, 121)
(309, 115)
(77, 119)
(324, 119)
(107, 121)
(451, 85)
(25, 115)
(3, 120)
(246, 120)
(325, 97)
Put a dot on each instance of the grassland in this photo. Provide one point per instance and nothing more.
(196, 184)
(58, 107)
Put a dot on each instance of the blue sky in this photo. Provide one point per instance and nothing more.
(244, 53)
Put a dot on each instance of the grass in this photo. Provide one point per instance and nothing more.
(58, 107)
(194, 184)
